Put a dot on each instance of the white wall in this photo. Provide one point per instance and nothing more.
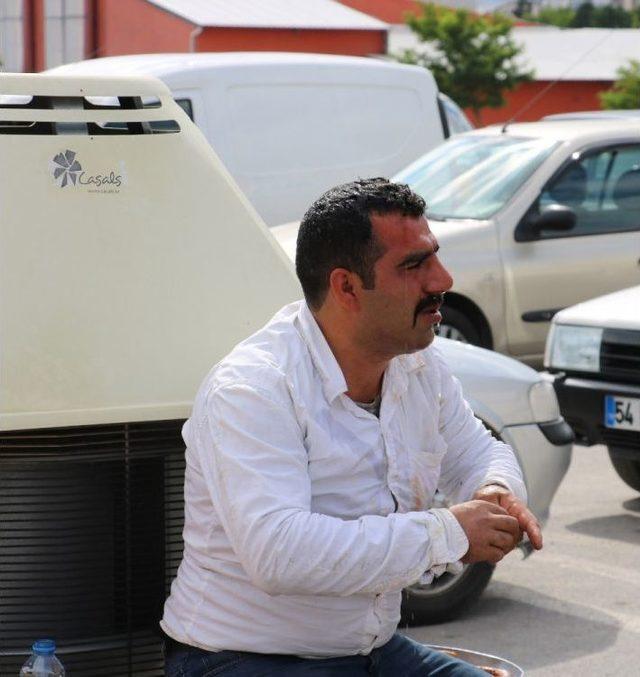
(11, 36)
(64, 29)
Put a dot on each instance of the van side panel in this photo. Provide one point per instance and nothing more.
(288, 134)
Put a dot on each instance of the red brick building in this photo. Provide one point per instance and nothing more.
(56, 33)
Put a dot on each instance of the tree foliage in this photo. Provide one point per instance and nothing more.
(471, 57)
(611, 16)
(587, 15)
(523, 8)
(556, 16)
(584, 16)
(625, 92)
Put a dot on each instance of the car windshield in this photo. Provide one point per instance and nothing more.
(473, 176)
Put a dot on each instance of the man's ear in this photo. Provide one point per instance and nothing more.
(344, 286)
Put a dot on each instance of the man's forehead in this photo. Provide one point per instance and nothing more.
(394, 230)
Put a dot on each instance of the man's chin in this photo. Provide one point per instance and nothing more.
(429, 336)
(423, 340)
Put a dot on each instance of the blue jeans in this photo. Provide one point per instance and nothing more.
(399, 657)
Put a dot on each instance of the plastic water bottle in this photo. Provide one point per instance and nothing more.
(43, 661)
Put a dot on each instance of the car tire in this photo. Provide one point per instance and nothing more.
(457, 326)
(447, 597)
(627, 469)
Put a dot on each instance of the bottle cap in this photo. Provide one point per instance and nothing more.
(44, 647)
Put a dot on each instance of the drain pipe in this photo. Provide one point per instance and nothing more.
(193, 36)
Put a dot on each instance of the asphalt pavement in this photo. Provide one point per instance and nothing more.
(572, 609)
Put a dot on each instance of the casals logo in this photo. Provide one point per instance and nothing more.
(66, 168)
(67, 171)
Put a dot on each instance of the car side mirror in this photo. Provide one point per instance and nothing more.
(553, 217)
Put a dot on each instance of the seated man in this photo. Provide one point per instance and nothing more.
(313, 454)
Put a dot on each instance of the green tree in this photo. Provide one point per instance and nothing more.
(523, 8)
(556, 16)
(471, 57)
(587, 15)
(610, 16)
(625, 92)
(584, 16)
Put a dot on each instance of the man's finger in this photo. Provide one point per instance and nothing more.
(493, 554)
(534, 532)
(526, 519)
(507, 523)
(503, 540)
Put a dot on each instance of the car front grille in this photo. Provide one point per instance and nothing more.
(90, 539)
(620, 438)
(620, 355)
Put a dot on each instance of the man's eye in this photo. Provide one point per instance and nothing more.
(415, 264)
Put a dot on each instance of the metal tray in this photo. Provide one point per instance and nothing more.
(500, 666)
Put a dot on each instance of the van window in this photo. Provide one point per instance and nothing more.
(457, 121)
(186, 106)
(302, 119)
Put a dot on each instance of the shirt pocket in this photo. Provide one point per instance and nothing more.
(424, 461)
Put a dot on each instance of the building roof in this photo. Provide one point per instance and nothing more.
(166, 64)
(578, 53)
(319, 14)
(567, 53)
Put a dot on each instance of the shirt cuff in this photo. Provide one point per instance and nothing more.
(495, 483)
(448, 550)
(457, 542)
(517, 489)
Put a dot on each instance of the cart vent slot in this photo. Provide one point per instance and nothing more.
(89, 128)
(26, 102)
(90, 539)
(83, 123)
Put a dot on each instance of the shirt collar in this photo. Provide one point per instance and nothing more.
(333, 381)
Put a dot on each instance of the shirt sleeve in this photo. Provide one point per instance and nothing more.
(474, 457)
(250, 447)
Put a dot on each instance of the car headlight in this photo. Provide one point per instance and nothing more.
(543, 401)
(574, 348)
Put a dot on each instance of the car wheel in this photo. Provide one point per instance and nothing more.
(447, 597)
(457, 326)
(627, 469)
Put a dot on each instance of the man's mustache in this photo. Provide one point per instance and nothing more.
(430, 302)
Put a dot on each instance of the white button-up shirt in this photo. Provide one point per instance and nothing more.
(305, 515)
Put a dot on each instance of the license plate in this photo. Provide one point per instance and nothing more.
(622, 412)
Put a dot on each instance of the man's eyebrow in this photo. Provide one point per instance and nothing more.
(418, 257)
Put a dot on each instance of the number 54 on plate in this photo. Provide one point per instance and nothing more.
(622, 412)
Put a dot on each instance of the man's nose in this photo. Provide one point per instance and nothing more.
(438, 279)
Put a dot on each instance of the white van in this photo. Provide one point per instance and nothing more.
(290, 126)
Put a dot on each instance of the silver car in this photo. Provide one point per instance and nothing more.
(531, 218)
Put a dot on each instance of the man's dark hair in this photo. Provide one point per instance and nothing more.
(336, 232)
